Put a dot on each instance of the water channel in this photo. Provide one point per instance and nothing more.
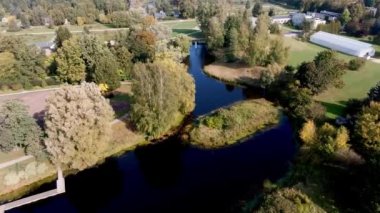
(172, 177)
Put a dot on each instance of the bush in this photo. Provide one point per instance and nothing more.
(356, 63)
(215, 121)
(52, 81)
(15, 86)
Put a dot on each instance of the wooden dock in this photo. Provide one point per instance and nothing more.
(34, 198)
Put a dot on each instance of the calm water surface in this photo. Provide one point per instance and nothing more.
(170, 177)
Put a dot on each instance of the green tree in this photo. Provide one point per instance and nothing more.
(70, 66)
(326, 70)
(257, 9)
(248, 4)
(233, 46)
(18, 129)
(259, 44)
(215, 39)
(163, 92)
(78, 126)
(272, 12)
(106, 71)
(367, 128)
(345, 17)
(188, 8)
(125, 64)
(374, 93)
(61, 34)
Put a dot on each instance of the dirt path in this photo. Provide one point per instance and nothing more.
(12, 162)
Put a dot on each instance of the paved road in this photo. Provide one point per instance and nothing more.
(35, 100)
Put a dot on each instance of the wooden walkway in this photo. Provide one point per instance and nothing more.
(34, 198)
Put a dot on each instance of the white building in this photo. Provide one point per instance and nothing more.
(343, 44)
(280, 19)
(316, 22)
(299, 18)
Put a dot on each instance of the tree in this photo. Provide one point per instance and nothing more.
(345, 17)
(233, 46)
(257, 9)
(106, 71)
(374, 93)
(308, 133)
(259, 43)
(326, 70)
(248, 4)
(188, 8)
(18, 129)
(78, 126)
(367, 128)
(162, 91)
(288, 200)
(215, 38)
(25, 23)
(272, 12)
(70, 66)
(12, 25)
(62, 34)
(125, 64)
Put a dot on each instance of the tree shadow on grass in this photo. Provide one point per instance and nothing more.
(334, 110)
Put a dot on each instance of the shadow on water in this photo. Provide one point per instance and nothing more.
(173, 177)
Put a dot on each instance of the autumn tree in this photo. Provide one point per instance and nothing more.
(19, 130)
(78, 126)
(367, 128)
(70, 65)
(215, 38)
(61, 34)
(188, 8)
(163, 93)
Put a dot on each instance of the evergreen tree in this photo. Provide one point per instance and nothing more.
(62, 34)
(257, 10)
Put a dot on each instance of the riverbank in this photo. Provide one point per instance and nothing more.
(229, 125)
(235, 73)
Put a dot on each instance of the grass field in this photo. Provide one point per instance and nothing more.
(187, 27)
(357, 83)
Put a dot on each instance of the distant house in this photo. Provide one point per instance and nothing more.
(299, 18)
(331, 16)
(46, 47)
(4, 20)
(316, 22)
(371, 10)
(343, 44)
(280, 19)
(160, 15)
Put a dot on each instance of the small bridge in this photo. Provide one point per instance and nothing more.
(34, 198)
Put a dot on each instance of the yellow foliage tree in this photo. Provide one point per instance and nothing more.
(308, 132)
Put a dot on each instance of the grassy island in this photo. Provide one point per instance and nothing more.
(229, 125)
(236, 73)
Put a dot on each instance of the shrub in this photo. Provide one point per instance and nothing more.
(215, 121)
(356, 63)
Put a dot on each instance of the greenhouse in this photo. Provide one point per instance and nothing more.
(343, 44)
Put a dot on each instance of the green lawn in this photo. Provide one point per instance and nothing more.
(187, 27)
(357, 83)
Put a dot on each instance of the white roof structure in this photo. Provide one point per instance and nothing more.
(343, 44)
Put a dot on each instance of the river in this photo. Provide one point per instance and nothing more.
(172, 177)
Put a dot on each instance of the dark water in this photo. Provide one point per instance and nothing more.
(170, 177)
